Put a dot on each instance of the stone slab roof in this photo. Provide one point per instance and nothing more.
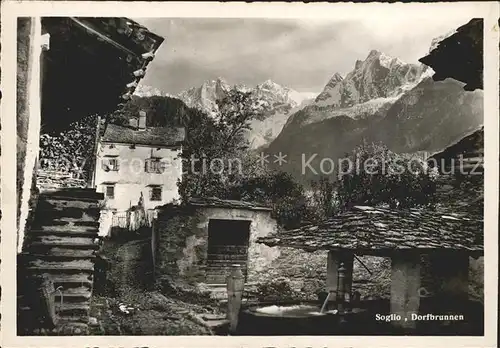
(93, 66)
(460, 56)
(213, 202)
(466, 148)
(369, 230)
(154, 136)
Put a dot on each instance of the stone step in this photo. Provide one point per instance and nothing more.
(240, 261)
(73, 309)
(73, 329)
(74, 193)
(60, 254)
(39, 247)
(47, 215)
(73, 319)
(67, 222)
(221, 270)
(79, 253)
(73, 295)
(70, 280)
(65, 227)
(216, 279)
(69, 233)
(48, 202)
(227, 266)
(77, 266)
(240, 258)
(52, 240)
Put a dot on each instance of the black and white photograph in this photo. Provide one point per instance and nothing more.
(249, 175)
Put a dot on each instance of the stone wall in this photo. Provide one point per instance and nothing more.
(24, 27)
(174, 232)
(304, 271)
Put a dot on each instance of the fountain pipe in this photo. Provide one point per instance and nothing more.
(323, 307)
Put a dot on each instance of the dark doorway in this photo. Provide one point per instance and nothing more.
(227, 245)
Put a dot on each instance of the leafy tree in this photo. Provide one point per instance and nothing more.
(219, 140)
(161, 111)
(374, 175)
(323, 202)
(277, 189)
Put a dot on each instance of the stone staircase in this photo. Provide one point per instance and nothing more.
(55, 269)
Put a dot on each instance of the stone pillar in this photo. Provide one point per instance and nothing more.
(450, 272)
(333, 262)
(235, 284)
(405, 282)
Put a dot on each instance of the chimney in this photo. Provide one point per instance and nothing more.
(142, 120)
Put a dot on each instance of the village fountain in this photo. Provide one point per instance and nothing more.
(323, 317)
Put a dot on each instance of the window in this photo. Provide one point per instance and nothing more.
(154, 165)
(110, 191)
(110, 164)
(155, 193)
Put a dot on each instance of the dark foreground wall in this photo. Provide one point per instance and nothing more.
(24, 42)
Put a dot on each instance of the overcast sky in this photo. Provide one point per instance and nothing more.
(299, 54)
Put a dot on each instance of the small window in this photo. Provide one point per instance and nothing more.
(110, 191)
(110, 164)
(154, 165)
(156, 193)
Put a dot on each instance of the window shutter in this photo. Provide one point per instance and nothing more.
(153, 165)
(110, 191)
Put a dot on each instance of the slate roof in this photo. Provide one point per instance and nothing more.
(213, 202)
(93, 66)
(470, 146)
(461, 188)
(369, 230)
(155, 136)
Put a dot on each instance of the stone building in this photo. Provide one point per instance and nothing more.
(199, 241)
(135, 162)
(137, 169)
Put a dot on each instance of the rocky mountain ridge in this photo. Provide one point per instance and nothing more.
(381, 100)
(280, 103)
(205, 97)
(378, 76)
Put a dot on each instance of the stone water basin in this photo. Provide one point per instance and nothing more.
(293, 319)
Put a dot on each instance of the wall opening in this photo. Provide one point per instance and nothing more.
(228, 242)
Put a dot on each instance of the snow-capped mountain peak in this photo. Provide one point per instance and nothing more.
(148, 91)
(378, 76)
(280, 102)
